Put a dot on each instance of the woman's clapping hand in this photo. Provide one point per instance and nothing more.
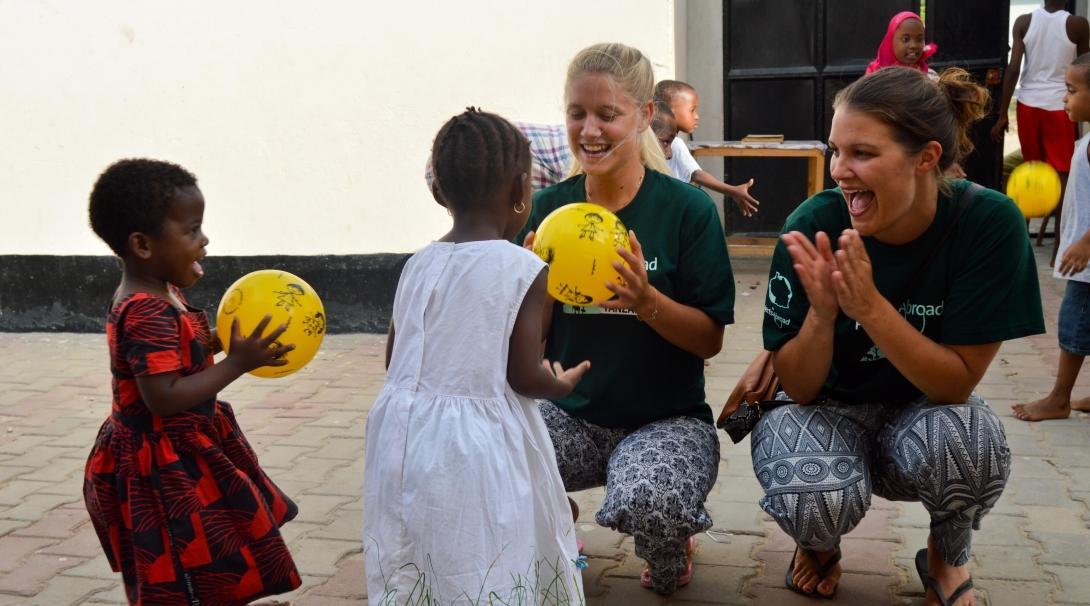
(814, 264)
(834, 281)
(853, 278)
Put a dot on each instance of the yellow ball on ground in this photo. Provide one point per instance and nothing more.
(289, 300)
(1035, 188)
(579, 241)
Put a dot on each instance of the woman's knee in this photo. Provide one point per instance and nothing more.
(658, 481)
(813, 466)
(806, 449)
(944, 448)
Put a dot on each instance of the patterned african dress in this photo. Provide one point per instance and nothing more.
(179, 503)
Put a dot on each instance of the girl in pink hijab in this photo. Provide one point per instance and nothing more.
(903, 45)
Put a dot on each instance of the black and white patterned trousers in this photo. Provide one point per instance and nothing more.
(656, 477)
(819, 464)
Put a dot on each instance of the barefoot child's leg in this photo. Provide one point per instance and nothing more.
(1073, 334)
(1057, 404)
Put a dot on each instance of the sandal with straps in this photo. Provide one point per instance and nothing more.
(686, 575)
(929, 581)
(822, 572)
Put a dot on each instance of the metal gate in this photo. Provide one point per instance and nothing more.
(785, 60)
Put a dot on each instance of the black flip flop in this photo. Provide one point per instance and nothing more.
(822, 572)
(929, 582)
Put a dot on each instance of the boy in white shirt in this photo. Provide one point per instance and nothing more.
(683, 101)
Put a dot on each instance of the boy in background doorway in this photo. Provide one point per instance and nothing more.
(683, 101)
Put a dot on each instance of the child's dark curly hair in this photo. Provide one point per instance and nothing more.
(134, 195)
(476, 154)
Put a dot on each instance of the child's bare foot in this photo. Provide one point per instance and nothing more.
(1082, 405)
(950, 578)
(1048, 407)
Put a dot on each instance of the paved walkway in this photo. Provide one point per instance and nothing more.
(308, 429)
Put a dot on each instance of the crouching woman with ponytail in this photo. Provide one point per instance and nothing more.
(889, 296)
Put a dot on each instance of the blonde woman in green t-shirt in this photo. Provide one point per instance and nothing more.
(888, 298)
(639, 423)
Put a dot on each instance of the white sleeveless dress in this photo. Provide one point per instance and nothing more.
(463, 502)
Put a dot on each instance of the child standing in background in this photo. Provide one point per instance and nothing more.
(173, 488)
(463, 502)
(1074, 253)
(904, 45)
(683, 101)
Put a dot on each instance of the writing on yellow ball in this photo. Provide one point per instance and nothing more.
(579, 241)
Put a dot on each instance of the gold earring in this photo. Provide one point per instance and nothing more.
(520, 207)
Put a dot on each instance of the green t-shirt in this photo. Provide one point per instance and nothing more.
(981, 287)
(637, 376)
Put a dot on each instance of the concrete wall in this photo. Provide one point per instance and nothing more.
(307, 124)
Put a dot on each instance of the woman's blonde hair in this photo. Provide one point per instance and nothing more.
(633, 72)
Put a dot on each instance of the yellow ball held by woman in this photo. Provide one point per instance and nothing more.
(285, 297)
(579, 241)
(1035, 188)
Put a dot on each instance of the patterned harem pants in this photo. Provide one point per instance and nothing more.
(656, 477)
(819, 464)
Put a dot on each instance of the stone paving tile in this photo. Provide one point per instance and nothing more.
(1055, 519)
(63, 590)
(59, 523)
(1062, 549)
(1014, 593)
(718, 584)
(1074, 584)
(8, 472)
(32, 507)
(319, 557)
(1000, 562)
(110, 597)
(600, 572)
(32, 575)
(83, 543)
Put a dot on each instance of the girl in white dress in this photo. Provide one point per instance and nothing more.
(463, 503)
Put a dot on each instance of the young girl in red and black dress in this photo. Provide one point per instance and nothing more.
(174, 490)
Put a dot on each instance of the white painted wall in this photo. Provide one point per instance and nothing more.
(307, 124)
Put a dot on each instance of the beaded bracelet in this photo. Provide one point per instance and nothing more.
(654, 313)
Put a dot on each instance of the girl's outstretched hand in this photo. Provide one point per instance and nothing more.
(815, 264)
(528, 241)
(854, 278)
(567, 378)
(254, 351)
(634, 292)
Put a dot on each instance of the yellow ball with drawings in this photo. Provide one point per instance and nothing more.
(289, 300)
(579, 241)
(1035, 188)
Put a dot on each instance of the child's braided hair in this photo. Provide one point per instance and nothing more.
(475, 154)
